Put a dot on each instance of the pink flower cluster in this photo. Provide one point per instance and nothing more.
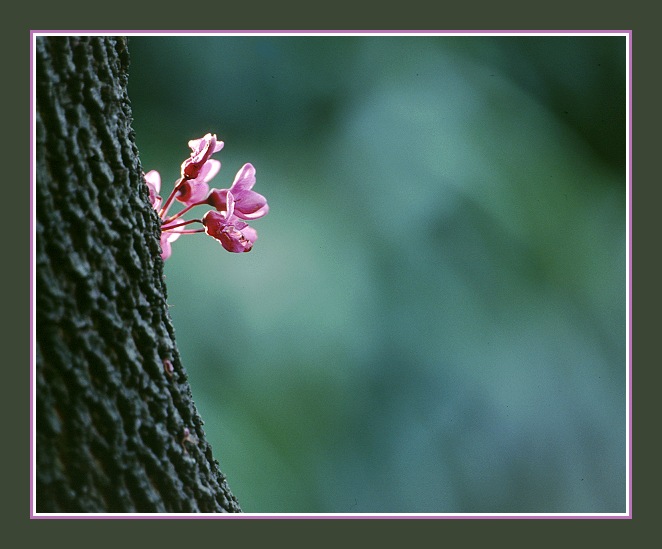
(232, 207)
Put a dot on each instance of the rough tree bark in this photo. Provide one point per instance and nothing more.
(116, 427)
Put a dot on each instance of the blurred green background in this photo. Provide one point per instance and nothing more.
(434, 316)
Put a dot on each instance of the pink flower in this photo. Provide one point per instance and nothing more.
(233, 205)
(234, 234)
(247, 203)
(167, 237)
(153, 180)
(193, 191)
(202, 149)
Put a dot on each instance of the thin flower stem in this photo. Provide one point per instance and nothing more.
(179, 214)
(190, 231)
(167, 227)
(168, 202)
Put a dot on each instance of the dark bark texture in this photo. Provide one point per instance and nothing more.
(116, 427)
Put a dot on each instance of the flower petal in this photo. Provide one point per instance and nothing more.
(218, 199)
(233, 234)
(245, 179)
(229, 205)
(192, 191)
(208, 171)
(153, 182)
(250, 205)
(166, 238)
(201, 150)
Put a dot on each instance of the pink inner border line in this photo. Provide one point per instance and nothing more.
(387, 516)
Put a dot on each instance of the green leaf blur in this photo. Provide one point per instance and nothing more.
(433, 318)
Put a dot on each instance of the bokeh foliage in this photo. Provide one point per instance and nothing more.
(433, 318)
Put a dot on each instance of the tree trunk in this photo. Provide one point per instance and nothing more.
(116, 427)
